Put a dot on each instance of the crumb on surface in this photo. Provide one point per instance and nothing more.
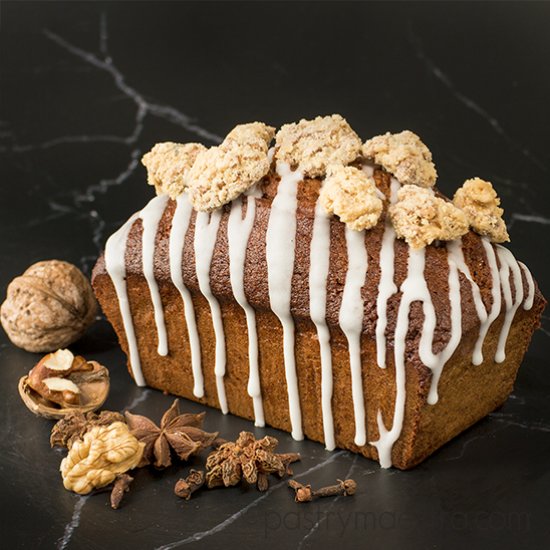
(351, 194)
(167, 165)
(404, 155)
(420, 217)
(220, 174)
(312, 145)
(479, 201)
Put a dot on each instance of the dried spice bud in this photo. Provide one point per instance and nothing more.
(49, 307)
(184, 488)
(479, 201)
(405, 156)
(168, 164)
(121, 486)
(74, 425)
(61, 384)
(352, 195)
(181, 432)
(95, 460)
(313, 145)
(304, 493)
(248, 459)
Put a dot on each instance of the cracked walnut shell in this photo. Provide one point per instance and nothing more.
(49, 307)
(95, 460)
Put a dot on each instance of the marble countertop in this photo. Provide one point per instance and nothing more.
(87, 88)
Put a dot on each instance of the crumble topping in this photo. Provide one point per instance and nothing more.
(168, 164)
(351, 194)
(220, 174)
(420, 217)
(314, 144)
(479, 201)
(404, 155)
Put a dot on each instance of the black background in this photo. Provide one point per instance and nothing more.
(87, 88)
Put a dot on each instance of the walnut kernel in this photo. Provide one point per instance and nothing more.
(220, 174)
(95, 460)
(49, 307)
(168, 164)
(313, 145)
(351, 194)
(479, 201)
(404, 155)
(420, 217)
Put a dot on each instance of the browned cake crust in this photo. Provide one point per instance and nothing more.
(467, 392)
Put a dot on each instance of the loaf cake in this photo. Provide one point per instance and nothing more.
(322, 286)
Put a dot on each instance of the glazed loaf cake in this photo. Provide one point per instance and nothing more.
(325, 290)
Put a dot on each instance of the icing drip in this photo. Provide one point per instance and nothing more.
(477, 358)
(528, 304)
(414, 288)
(386, 286)
(150, 217)
(180, 224)
(436, 361)
(206, 232)
(280, 244)
(318, 273)
(115, 265)
(508, 265)
(351, 323)
(238, 233)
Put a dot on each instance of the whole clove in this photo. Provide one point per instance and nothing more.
(184, 488)
(121, 486)
(304, 493)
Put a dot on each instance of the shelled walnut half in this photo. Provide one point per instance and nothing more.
(61, 383)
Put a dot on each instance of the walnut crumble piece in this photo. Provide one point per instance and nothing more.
(167, 166)
(351, 194)
(220, 174)
(404, 155)
(420, 217)
(480, 203)
(314, 144)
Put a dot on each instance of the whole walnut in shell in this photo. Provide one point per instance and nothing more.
(49, 307)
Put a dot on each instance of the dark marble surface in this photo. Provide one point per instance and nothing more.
(86, 89)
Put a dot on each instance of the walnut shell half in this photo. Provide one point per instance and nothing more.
(93, 385)
(49, 307)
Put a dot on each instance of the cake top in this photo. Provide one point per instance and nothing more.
(327, 149)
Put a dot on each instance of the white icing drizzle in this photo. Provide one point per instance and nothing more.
(206, 232)
(318, 273)
(436, 361)
(528, 304)
(238, 233)
(150, 216)
(508, 264)
(351, 323)
(180, 224)
(386, 285)
(280, 245)
(494, 312)
(414, 288)
(115, 265)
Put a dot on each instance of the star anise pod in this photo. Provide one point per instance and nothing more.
(248, 459)
(180, 432)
